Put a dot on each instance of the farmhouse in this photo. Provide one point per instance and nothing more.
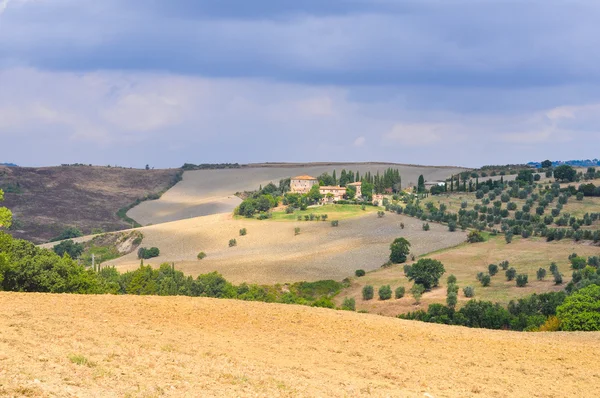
(358, 186)
(302, 184)
(332, 193)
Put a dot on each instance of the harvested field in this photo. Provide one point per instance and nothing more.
(271, 253)
(465, 261)
(206, 192)
(46, 200)
(130, 346)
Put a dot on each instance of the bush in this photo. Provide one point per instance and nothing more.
(74, 250)
(452, 226)
(359, 272)
(581, 310)
(469, 291)
(451, 279)
(201, 255)
(558, 280)
(367, 292)
(475, 237)
(426, 227)
(417, 292)
(324, 217)
(400, 291)
(349, 304)
(232, 242)
(541, 274)
(380, 214)
(400, 248)
(426, 272)
(504, 265)
(486, 280)
(508, 236)
(297, 231)
(385, 292)
(578, 262)
(510, 273)
(522, 280)
(452, 288)
(335, 223)
(553, 268)
(243, 232)
(493, 269)
(144, 253)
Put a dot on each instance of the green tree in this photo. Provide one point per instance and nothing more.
(565, 173)
(581, 310)
(314, 195)
(69, 247)
(367, 292)
(5, 214)
(421, 184)
(400, 249)
(385, 292)
(426, 272)
(417, 291)
(546, 164)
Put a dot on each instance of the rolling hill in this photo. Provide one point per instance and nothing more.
(46, 200)
(106, 346)
(206, 192)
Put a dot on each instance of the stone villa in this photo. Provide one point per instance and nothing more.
(302, 184)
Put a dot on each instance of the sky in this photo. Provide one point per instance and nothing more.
(165, 82)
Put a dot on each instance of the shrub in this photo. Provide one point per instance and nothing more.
(485, 280)
(400, 291)
(243, 232)
(426, 272)
(201, 255)
(452, 226)
(469, 291)
(504, 265)
(324, 217)
(144, 253)
(452, 300)
(335, 223)
(522, 280)
(578, 262)
(475, 237)
(359, 272)
(581, 310)
(541, 274)
(74, 250)
(367, 292)
(232, 242)
(380, 213)
(558, 280)
(426, 227)
(385, 292)
(553, 268)
(552, 324)
(400, 248)
(579, 195)
(297, 231)
(349, 304)
(451, 279)
(452, 288)
(417, 292)
(510, 273)
(493, 269)
(508, 236)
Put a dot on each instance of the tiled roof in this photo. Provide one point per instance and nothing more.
(304, 177)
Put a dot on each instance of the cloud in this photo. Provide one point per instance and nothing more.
(418, 134)
(360, 141)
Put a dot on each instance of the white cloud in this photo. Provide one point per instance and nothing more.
(360, 141)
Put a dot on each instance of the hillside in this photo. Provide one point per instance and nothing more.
(157, 346)
(205, 192)
(46, 200)
(271, 253)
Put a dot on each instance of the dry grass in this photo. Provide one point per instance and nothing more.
(465, 261)
(178, 346)
(206, 192)
(271, 253)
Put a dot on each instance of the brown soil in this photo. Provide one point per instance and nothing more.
(54, 198)
(129, 346)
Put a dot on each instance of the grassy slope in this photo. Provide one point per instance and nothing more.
(86, 197)
(177, 346)
(334, 212)
(465, 261)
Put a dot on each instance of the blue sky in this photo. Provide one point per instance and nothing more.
(131, 82)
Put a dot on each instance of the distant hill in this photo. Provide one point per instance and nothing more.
(574, 163)
(45, 201)
(8, 164)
